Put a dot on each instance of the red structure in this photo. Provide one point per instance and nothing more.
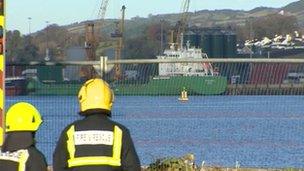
(268, 73)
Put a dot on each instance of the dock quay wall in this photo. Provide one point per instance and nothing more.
(265, 89)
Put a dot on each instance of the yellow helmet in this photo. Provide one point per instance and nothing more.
(95, 94)
(22, 116)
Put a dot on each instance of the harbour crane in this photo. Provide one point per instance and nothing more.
(119, 35)
(183, 21)
(91, 43)
(90, 39)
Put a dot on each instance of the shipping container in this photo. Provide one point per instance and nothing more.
(50, 73)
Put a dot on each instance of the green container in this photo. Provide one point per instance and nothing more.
(230, 45)
(217, 44)
(50, 73)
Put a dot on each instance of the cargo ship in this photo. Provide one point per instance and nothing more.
(196, 78)
(172, 78)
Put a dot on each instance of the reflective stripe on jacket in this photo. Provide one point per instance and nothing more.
(20, 157)
(114, 139)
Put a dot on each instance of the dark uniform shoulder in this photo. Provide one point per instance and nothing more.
(36, 160)
(122, 127)
(35, 152)
(71, 124)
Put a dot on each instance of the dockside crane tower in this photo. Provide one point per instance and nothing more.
(119, 35)
(91, 42)
(183, 21)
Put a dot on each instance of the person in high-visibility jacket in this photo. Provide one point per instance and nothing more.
(18, 152)
(95, 143)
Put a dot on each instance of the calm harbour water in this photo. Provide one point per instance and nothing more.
(256, 131)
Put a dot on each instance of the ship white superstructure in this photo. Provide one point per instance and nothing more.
(185, 69)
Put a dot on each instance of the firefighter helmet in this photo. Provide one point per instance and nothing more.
(22, 116)
(95, 94)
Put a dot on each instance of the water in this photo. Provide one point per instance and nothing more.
(256, 131)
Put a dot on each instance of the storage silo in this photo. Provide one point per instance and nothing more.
(206, 40)
(217, 43)
(229, 45)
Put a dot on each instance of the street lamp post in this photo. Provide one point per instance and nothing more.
(251, 35)
(47, 57)
(29, 24)
(161, 35)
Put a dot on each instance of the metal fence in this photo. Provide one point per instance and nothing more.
(144, 77)
(244, 110)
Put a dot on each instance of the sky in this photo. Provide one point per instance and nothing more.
(33, 15)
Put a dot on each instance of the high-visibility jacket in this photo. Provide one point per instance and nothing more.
(15, 161)
(18, 153)
(95, 143)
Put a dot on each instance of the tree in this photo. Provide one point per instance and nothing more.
(14, 45)
(148, 44)
(268, 26)
(53, 37)
(20, 48)
(29, 51)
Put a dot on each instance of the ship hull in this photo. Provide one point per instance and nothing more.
(195, 85)
(36, 88)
